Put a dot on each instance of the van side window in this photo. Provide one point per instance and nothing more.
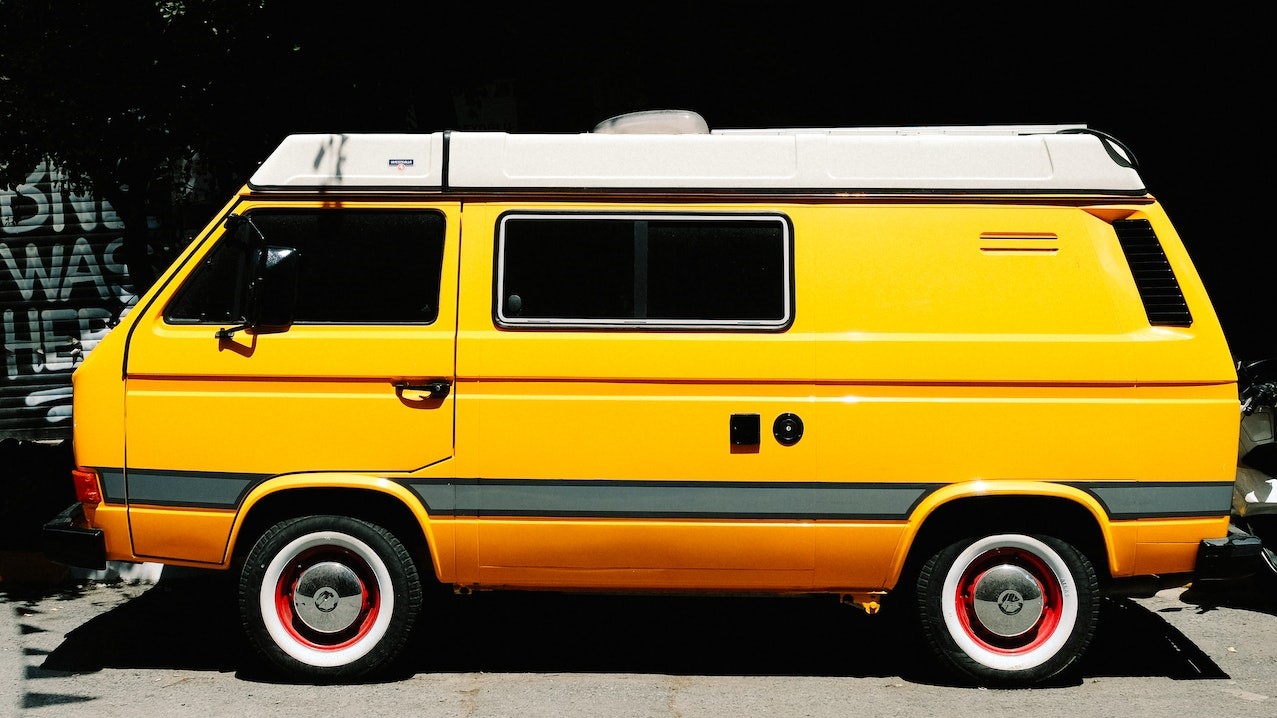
(357, 267)
(644, 271)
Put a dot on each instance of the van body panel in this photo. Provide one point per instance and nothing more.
(1166, 547)
(193, 535)
(565, 405)
(98, 401)
(919, 368)
(113, 519)
(906, 433)
(910, 352)
(1163, 353)
(197, 403)
(785, 548)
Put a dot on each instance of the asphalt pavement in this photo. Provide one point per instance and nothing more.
(120, 647)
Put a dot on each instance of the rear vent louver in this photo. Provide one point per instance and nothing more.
(1159, 291)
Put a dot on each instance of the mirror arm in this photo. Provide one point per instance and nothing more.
(233, 220)
(228, 332)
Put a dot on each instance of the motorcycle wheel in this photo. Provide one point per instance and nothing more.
(1265, 528)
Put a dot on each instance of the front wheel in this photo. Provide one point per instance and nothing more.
(329, 598)
(1008, 609)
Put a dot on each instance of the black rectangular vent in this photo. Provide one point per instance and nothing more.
(1159, 291)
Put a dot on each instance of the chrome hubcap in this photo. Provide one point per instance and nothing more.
(1007, 600)
(328, 597)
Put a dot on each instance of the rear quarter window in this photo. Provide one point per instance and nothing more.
(644, 271)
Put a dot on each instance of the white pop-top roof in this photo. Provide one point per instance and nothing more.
(674, 149)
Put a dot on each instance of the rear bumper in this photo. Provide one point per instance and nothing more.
(68, 539)
(1234, 557)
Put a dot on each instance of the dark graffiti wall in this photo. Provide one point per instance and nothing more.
(63, 284)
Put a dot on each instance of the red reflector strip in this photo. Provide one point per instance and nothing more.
(87, 488)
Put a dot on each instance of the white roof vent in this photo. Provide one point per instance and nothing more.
(654, 122)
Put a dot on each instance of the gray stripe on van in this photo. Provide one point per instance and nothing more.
(671, 499)
(666, 499)
(113, 491)
(1127, 500)
(678, 499)
(208, 489)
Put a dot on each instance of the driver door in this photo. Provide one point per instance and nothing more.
(340, 389)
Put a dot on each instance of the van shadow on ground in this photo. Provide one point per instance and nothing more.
(551, 633)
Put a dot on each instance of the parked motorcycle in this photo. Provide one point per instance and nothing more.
(1255, 490)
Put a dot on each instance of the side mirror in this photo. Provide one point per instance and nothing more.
(273, 294)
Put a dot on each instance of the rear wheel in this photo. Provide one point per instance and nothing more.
(329, 598)
(1008, 609)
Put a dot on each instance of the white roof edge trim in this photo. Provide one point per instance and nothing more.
(340, 161)
(821, 162)
(994, 158)
(905, 130)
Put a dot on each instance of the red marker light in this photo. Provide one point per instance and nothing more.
(87, 489)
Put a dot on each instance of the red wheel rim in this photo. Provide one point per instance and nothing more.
(1052, 601)
(286, 588)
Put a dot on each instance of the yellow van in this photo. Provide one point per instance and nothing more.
(969, 373)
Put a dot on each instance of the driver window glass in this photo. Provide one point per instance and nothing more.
(357, 267)
(214, 294)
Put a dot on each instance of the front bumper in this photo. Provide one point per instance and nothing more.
(70, 540)
(1232, 558)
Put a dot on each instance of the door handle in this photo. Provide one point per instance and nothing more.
(435, 388)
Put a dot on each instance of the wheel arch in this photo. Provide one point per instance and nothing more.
(377, 501)
(1077, 520)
